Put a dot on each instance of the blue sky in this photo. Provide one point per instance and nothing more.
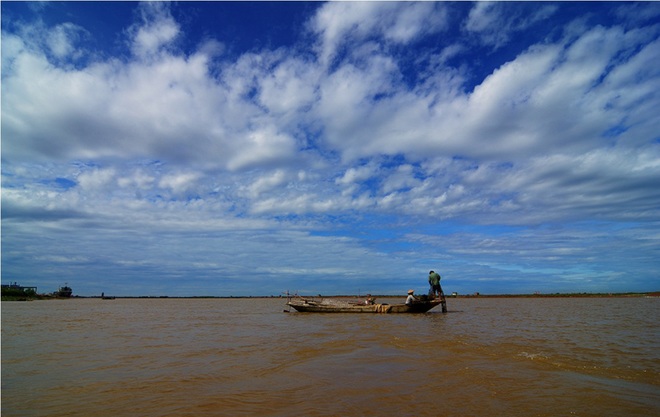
(250, 148)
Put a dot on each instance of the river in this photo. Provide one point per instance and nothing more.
(247, 357)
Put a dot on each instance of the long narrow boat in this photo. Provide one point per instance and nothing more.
(329, 305)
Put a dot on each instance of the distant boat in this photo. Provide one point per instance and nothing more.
(422, 304)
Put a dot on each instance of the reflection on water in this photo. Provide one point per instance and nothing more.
(190, 357)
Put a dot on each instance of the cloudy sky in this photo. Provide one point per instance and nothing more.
(247, 148)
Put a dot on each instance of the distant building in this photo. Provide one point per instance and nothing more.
(15, 286)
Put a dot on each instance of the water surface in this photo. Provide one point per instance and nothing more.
(216, 357)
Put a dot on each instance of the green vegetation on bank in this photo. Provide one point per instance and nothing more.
(16, 292)
(15, 295)
(19, 294)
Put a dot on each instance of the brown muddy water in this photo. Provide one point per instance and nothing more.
(246, 357)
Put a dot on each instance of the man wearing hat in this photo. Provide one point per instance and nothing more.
(411, 297)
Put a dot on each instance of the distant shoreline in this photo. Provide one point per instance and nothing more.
(151, 297)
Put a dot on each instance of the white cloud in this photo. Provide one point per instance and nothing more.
(171, 108)
(641, 12)
(156, 30)
(339, 23)
(97, 179)
(548, 96)
(482, 16)
(412, 20)
(274, 143)
(139, 178)
(179, 183)
(62, 39)
(402, 178)
(289, 88)
(267, 183)
(496, 22)
(358, 174)
(263, 147)
(60, 42)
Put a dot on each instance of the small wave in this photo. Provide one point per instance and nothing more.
(532, 356)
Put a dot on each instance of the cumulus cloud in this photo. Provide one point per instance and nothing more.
(289, 89)
(343, 23)
(549, 91)
(176, 139)
(265, 108)
(156, 29)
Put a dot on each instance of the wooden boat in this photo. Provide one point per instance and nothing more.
(329, 305)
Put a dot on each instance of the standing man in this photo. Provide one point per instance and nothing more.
(434, 282)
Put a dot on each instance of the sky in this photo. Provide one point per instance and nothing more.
(254, 148)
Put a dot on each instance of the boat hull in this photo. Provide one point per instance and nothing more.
(311, 306)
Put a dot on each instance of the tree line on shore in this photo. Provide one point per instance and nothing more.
(18, 293)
